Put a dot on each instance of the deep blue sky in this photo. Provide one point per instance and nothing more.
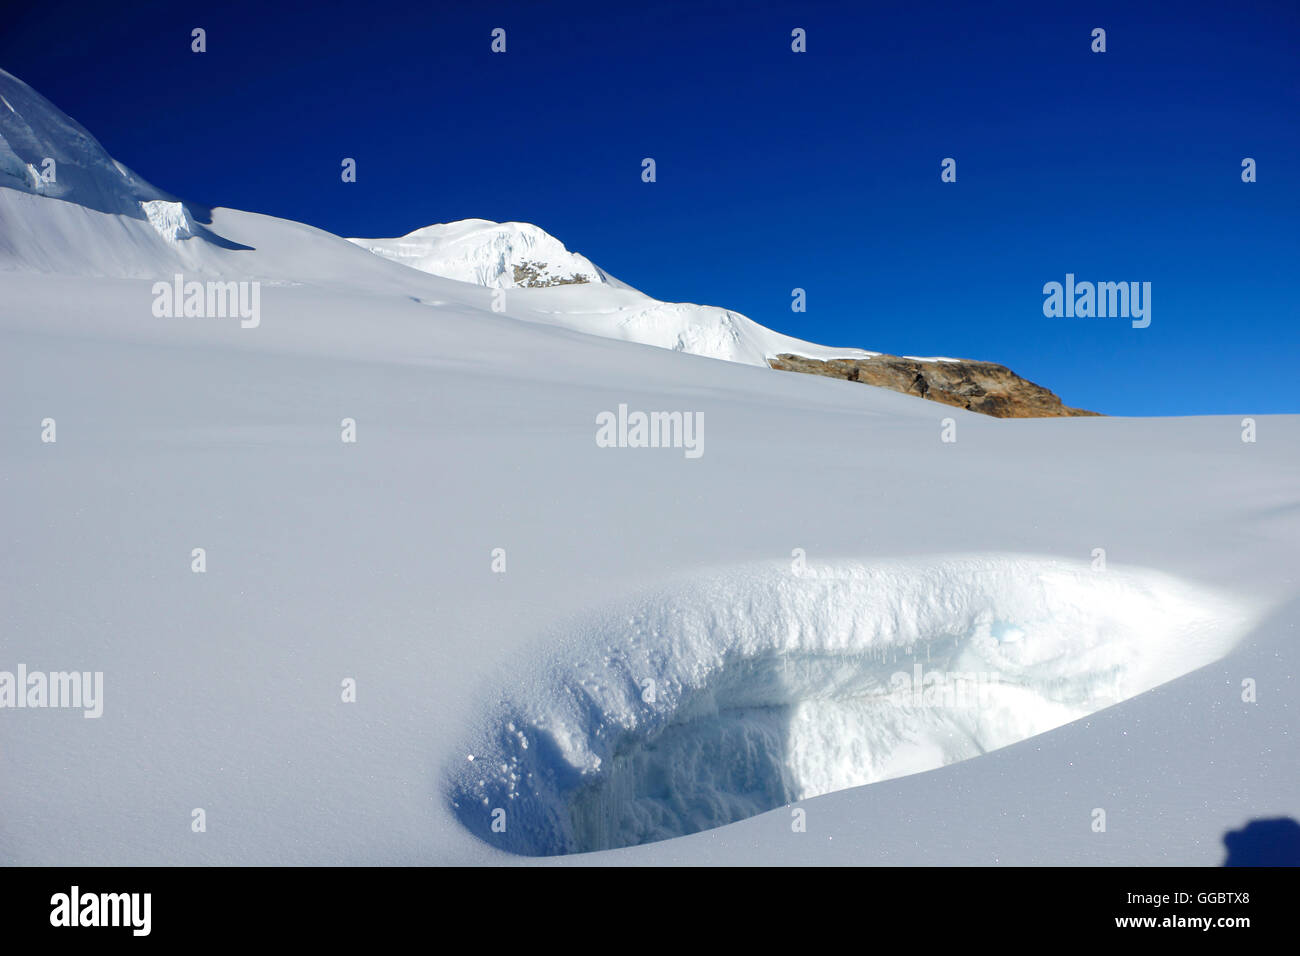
(775, 170)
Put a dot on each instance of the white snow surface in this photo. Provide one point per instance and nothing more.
(372, 562)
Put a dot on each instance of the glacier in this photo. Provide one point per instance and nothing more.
(1160, 687)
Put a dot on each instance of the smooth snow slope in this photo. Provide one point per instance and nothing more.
(373, 562)
(67, 238)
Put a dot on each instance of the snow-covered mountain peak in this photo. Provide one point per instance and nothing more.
(46, 152)
(113, 223)
(500, 255)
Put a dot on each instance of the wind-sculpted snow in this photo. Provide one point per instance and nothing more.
(757, 687)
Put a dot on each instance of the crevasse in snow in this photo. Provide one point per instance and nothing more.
(757, 687)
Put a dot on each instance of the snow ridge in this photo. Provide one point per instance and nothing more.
(113, 223)
(37, 139)
(516, 255)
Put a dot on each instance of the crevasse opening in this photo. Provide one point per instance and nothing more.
(751, 688)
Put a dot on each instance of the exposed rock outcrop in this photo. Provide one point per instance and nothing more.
(983, 387)
(537, 275)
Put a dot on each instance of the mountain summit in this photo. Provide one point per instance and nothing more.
(500, 255)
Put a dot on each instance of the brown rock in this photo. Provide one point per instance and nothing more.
(983, 387)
